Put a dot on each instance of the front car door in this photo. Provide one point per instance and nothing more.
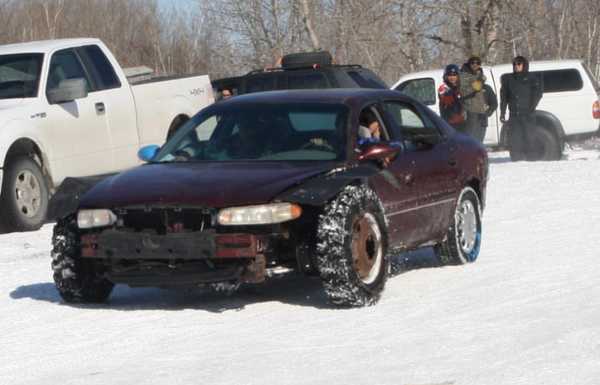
(428, 168)
(77, 130)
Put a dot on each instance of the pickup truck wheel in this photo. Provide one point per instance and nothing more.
(463, 240)
(76, 279)
(352, 248)
(24, 199)
(545, 146)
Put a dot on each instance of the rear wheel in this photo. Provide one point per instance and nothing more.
(463, 240)
(352, 248)
(545, 145)
(76, 279)
(24, 199)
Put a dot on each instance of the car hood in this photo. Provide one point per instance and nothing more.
(217, 185)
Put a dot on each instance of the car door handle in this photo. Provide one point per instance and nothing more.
(452, 162)
(100, 108)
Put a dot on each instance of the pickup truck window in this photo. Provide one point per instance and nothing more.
(558, 80)
(99, 67)
(65, 65)
(20, 75)
(421, 89)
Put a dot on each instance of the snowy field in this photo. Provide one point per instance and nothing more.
(527, 312)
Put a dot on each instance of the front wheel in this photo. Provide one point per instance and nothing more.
(77, 279)
(352, 244)
(463, 240)
(24, 199)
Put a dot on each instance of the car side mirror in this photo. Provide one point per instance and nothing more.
(379, 151)
(67, 91)
(147, 153)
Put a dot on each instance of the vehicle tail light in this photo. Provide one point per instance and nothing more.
(596, 109)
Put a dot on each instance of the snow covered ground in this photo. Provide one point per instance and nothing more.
(527, 312)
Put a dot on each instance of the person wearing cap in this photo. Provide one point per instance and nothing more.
(451, 108)
(472, 81)
(520, 92)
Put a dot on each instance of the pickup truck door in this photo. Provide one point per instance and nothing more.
(77, 131)
(116, 101)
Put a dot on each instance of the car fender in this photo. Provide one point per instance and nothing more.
(319, 190)
(66, 199)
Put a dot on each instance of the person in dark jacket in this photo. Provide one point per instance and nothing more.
(451, 108)
(521, 92)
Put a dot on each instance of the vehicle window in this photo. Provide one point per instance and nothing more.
(65, 65)
(592, 78)
(421, 89)
(261, 132)
(414, 128)
(260, 83)
(366, 80)
(306, 81)
(100, 68)
(370, 127)
(558, 80)
(20, 75)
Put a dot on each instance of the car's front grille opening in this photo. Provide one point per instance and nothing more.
(166, 220)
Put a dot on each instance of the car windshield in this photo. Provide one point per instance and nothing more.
(19, 75)
(261, 132)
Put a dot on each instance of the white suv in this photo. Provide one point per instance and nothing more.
(569, 109)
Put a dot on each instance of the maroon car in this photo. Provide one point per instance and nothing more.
(295, 179)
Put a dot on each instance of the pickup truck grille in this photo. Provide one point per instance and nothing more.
(166, 220)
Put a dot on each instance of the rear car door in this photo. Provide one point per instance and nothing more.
(81, 142)
(427, 166)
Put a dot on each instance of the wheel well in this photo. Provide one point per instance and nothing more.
(176, 123)
(26, 147)
(476, 185)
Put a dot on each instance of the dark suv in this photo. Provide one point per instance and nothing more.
(312, 70)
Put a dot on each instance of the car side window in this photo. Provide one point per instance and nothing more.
(65, 65)
(101, 70)
(415, 128)
(306, 81)
(421, 89)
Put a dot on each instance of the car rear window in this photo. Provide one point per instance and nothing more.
(364, 79)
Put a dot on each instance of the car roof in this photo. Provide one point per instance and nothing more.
(327, 95)
(44, 46)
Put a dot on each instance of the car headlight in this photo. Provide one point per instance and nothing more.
(259, 215)
(87, 219)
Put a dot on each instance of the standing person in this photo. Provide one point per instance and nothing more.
(472, 81)
(451, 108)
(521, 92)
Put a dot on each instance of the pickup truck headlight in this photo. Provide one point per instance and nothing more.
(87, 219)
(259, 215)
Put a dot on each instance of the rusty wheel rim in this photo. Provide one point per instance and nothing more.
(367, 252)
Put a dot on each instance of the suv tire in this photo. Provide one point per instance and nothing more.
(352, 248)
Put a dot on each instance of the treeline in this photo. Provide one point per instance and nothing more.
(229, 37)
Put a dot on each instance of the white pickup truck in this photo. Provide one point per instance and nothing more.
(67, 109)
(569, 109)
